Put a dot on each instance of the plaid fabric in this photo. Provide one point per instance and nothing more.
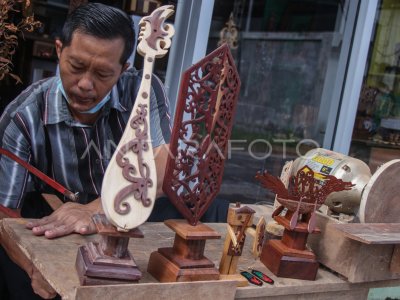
(38, 127)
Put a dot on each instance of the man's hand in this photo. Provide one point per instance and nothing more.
(40, 286)
(69, 218)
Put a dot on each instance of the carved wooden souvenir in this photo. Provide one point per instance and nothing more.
(130, 181)
(307, 191)
(240, 222)
(129, 184)
(203, 123)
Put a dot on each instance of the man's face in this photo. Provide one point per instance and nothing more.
(89, 67)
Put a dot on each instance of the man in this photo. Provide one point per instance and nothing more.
(68, 126)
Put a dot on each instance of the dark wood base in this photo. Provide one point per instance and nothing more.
(109, 260)
(185, 261)
(95, 269)
(165, 270)
(287, 262)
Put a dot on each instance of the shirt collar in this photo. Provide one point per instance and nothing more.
(56, 106)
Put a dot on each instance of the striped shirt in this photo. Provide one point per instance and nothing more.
(38, 127)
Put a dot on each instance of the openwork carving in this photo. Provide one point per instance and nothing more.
(130, 181)
(140, 183)
(306, 193)
(203, 123)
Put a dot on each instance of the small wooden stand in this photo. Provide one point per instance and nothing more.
(289, 257)
(185, 261)
(108, 262)
(240, 218)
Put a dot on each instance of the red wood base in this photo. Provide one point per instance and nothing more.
(101, 270)
(108, 261)
(165, 270)
(185, 261)
(287, 262)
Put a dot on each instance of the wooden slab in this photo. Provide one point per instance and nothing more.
(348, 257)
(395, 262)
(371, 233)
(381, 196)
(58, 268)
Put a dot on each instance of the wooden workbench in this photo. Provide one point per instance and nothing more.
(55, 259)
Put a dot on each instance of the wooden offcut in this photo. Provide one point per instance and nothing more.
(350, 257)
(380, 198)
(371, 233)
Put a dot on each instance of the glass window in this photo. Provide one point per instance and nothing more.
(376, 135)
(287, 54)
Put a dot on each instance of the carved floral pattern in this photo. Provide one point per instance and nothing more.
(203, 124)
(139, 184)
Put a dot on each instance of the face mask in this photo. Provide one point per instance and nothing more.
(94, 109)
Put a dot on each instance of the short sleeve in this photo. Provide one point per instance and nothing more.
(14, 178)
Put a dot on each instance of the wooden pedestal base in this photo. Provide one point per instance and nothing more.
(185, 261)
(108, 262)
(289, 257)
(280, 260)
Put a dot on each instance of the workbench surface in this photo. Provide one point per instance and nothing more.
(55, 259)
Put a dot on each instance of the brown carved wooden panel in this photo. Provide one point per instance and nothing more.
(203, 123)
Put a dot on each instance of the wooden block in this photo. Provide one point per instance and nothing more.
(183, 262)
(189, 232)
(237, 215)
(287, 251)
(240, 280)
(191, 249)
(295, 240)
(380, 197)
(227, 262)
(228, 265)
(154, 290)
(371, 233)
(166, 271)
(288, 266)
(395, 261)
(348, 257)
(233, 265)
(91, 272)
(9, 242)
(97, 257)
